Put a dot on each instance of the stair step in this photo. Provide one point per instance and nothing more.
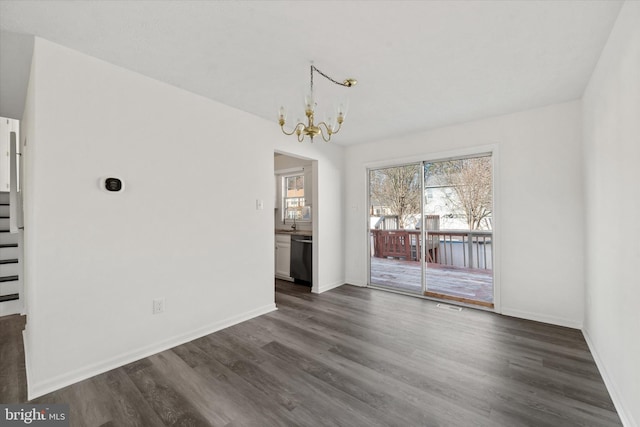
(9, 250)
(10, 238)
(9, 278)
(6, 238)
(10, 268)
(9, 253)
(13, 287)
(9, 261)
(10, 297)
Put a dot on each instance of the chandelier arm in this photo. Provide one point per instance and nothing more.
(293, 131)
(327, 129)
(339, 127)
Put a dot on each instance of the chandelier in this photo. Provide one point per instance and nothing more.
(324, 129)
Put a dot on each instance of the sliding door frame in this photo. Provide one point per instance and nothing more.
(493, 151)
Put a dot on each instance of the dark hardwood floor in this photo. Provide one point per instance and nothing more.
(13, 381)
(351, 357)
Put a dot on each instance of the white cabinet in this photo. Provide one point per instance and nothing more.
(283, 256)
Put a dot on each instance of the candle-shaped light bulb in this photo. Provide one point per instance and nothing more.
(282, 115)
(332, 122)
(335, 125)
(342, 111)
(309, 103)
(329, 121)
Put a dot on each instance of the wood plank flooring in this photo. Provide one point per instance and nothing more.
(354, 357)
(13, 381)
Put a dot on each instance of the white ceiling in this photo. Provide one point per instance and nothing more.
(419, 65)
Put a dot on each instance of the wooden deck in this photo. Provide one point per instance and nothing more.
(460, 283)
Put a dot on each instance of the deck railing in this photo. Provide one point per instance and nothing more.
(470, 249)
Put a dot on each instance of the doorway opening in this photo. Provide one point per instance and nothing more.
(431, 229)
(295, 210)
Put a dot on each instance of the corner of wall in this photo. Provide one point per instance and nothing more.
(610, 130)
(612, 388)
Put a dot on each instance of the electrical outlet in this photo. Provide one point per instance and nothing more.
(158, 305)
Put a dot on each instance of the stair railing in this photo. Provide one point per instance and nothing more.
(15, 202)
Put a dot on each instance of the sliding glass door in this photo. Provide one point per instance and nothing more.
(430, 229)
(394, 211)
(458, 207)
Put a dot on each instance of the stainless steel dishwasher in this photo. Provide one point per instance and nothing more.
(301, 256)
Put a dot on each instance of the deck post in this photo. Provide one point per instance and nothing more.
(470, 246)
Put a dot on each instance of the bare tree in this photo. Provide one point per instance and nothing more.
(399, 189)
(471, 184)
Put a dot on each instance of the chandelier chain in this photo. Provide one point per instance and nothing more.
(313, 68)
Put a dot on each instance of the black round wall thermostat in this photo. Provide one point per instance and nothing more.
(113, 184)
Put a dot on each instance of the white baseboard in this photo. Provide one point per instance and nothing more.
(356, 282)
(38, 389)
(537, 317)
(625, 417)
(27, 359)
(360, 285)
(330, 286)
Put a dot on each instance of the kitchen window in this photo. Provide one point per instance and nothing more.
(293, 200)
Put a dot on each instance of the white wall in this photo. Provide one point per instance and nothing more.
(611, 129)
(539, 213)
(27, 133)
(16, 51)
(185, 229)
